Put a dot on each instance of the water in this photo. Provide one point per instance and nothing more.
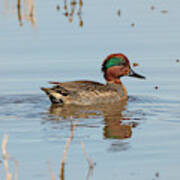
(138, 139)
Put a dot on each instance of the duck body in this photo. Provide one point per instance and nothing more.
(85, 93)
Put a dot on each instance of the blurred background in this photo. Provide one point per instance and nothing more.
(63, 40)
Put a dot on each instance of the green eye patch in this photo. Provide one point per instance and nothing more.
(114, 62)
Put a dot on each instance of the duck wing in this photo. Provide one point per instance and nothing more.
(78, 85)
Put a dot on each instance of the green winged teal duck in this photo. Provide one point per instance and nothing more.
(87, 93)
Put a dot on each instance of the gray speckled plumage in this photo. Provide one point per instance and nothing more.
(85, 93)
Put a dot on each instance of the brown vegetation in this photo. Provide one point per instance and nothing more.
(6, 157)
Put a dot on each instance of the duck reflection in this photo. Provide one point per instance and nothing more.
(114, 129)
(116, 125)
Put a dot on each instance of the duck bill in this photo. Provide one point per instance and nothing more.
(134, 74)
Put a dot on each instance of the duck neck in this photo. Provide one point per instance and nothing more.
(117, 84)
(114, 81)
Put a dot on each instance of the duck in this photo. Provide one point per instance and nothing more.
(87, 93)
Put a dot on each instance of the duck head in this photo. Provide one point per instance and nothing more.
(116, 66)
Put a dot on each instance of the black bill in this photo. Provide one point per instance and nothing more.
(134, 74)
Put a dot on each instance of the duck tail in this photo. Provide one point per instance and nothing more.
(46, 90)
(55, 97)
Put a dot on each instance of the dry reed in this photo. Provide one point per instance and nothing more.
(50, 171)
(90, 162)
(66, 150)
(7, 156)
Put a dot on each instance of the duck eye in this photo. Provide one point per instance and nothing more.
(121, 63)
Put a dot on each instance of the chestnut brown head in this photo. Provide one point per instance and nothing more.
(116, 66)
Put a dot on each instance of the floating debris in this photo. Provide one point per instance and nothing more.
(156, 87)
(177, 60)
(57, 7)
(80, 2)
(66, 14)
(73, 3)
(81, 23)
(152, 8)
(132, 25)
(119, 12)
(164, 11)
(70, 19)
(157, 174)
(133, 124)
(65, 6)
(75, 8)
(135, 64)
